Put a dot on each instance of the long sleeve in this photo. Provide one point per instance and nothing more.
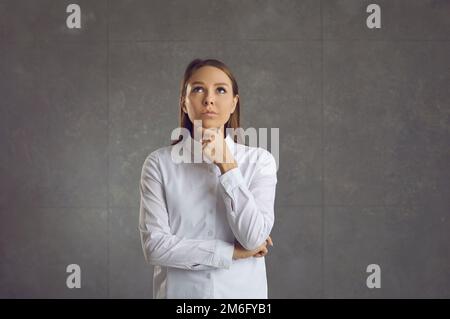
(160, 246)
(250, 209)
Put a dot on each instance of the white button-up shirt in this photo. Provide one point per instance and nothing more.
(191, 215)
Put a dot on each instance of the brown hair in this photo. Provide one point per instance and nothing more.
(194, 65)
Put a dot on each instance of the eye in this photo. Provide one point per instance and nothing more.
(197, 89)
(221, 90)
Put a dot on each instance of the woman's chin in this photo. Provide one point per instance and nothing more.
(210, 124)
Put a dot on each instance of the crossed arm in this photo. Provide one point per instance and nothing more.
(249, 213)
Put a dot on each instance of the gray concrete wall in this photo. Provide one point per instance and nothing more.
(364, 175)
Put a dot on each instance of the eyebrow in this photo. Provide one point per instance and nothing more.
(200, 82)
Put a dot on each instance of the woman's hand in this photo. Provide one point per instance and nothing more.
(215, 148)
(240, 252)
(262, 253)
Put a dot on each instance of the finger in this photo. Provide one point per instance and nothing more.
(205, 141)
(209, 152)
(208, 147)
(261, 248)
(258, 250)
(212, 134)
(203, 133)
(208, 132)
(208, 136)
(269, 239)
(262, 251)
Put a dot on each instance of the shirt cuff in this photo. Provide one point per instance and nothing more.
(231, 179)
(223, 254)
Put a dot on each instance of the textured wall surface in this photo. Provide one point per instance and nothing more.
(364, 118)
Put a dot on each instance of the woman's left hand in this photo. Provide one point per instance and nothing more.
(216, 150)
(269, 242)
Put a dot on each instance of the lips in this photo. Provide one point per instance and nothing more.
(209, 113)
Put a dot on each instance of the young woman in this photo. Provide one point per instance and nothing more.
(205, 225)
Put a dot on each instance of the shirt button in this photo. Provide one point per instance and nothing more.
(211, 211)
(208, 276)
(210, 233)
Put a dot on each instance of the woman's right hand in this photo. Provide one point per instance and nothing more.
(240, 252)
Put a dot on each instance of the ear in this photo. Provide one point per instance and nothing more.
(183, 106)
(235, 100)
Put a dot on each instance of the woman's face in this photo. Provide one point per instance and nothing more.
(209, 97)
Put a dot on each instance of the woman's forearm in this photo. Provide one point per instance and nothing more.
(225, 167)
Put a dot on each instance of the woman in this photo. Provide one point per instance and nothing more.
(205, 224)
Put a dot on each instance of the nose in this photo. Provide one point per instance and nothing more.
(208, 100)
